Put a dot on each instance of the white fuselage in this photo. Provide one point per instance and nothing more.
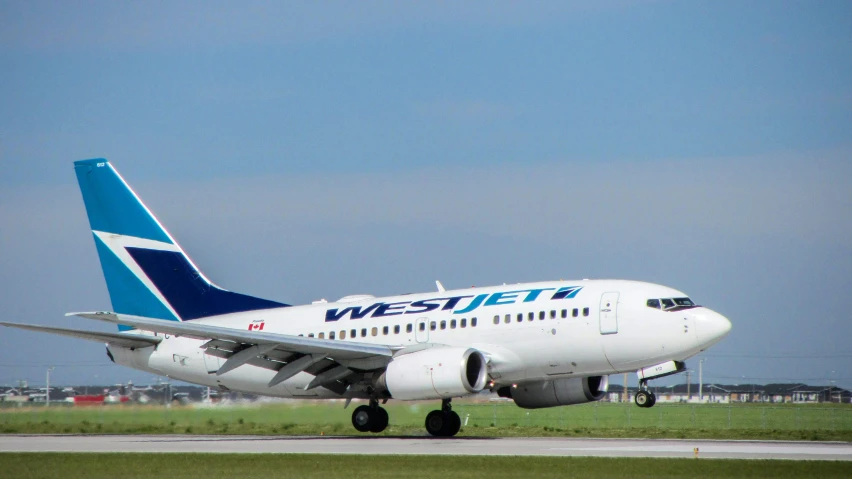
(527, 331)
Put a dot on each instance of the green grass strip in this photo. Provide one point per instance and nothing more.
(785, 422)
(230, 466)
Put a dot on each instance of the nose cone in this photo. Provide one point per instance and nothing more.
(711, 327)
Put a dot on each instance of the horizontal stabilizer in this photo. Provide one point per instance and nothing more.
(118, 339)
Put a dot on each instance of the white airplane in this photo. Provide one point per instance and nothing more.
(541, 344)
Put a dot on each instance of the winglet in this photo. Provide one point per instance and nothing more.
(440, 286)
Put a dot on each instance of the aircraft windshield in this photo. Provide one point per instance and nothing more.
(684, 302)
(671, 304)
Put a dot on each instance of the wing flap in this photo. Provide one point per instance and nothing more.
(118, 339)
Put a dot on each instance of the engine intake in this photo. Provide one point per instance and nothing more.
(559, 392)
(436, 373)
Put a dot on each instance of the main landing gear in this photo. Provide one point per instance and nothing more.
(372, 418)
(444, 422)
(644, 397)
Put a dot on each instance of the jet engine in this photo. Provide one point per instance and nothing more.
(437, 373)
(558, 392)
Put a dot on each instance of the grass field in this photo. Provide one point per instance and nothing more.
(213, 466)
(806, 422)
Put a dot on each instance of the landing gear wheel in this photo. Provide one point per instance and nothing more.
(653, 400)
(364, 418)
(436, 422)
(642, 398)
(453, 424)
(443, 423)
(380, 421)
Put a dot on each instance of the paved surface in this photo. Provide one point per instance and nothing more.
(427, 445)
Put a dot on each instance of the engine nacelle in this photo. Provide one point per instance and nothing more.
(437, 373)
(559, 392)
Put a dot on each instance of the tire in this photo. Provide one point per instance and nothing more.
(453, 424)
(436, 423)
(380, 421)
(363, 418)
(653, 400)
(642, 399)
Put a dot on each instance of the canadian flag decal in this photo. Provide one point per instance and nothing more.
(256, 325)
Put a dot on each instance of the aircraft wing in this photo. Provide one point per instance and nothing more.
(328, 360)
(119, 339)
(297, 344)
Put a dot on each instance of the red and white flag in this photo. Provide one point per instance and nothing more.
(256, 326)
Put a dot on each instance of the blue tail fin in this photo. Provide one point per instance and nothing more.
(146, 271)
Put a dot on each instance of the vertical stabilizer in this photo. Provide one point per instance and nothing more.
(146, 271)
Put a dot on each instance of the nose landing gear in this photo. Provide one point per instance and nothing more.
(644, 397)
(372, 418)
(444, 422)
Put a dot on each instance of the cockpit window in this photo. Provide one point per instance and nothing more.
(671, 304)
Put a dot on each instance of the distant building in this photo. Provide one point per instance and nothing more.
(738, 393)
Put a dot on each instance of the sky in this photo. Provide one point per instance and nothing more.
(306, 150)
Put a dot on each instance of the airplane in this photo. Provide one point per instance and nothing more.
(541, 344)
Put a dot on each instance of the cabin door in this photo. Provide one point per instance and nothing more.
(609, 313)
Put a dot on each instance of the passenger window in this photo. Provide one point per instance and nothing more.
(507, 319)
(363, 332)
(531, 316)
(520, 318)
(423, 326)
(396, 329)
(653, 303)
(433, 326)
(374, 331)
(385, 331)
(497, 319)
(453, 324)
(443, 325)
(409, 328)
(464, 322)
(353, 334)
(585, 311)
(322, 335)
(331, 335)
(343, 335)
(310, 335)
(541, 315)
(472, 322)
(552, 314)
(564, 313)
(575, 313)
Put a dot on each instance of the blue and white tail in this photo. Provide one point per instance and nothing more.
(146, 271)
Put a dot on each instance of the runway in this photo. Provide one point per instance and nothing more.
(427, 445)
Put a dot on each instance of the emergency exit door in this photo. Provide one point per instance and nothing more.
(421, 332)
(609, 313)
